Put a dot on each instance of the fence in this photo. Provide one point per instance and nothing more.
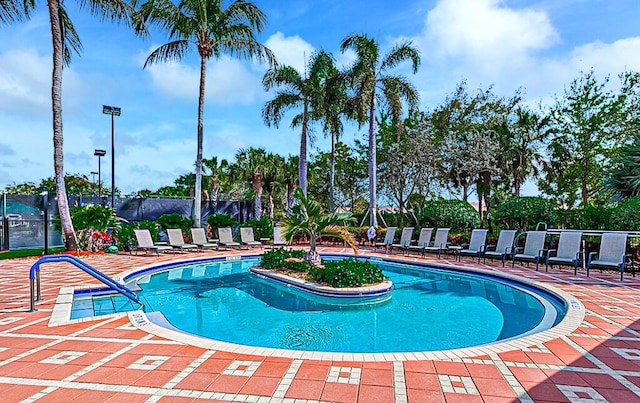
(22, 217)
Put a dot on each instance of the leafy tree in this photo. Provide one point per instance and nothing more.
(372, 85)
(254, 166)
(589, 126)
(296, 91)
(215, 31)
(219, 176)
(307, 218)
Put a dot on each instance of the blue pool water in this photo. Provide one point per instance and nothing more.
(428, 309)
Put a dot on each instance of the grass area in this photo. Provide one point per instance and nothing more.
(12, 254)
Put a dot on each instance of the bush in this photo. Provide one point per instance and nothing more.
(524, 213)
(347, 273)
(262, 228)
(276, 259)
(585, 217)
(458, 215)
(175, 220)
(626, 216)
(220, 221)
(126, 236)
(91, 223)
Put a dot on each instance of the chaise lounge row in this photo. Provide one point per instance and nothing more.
(200, 242)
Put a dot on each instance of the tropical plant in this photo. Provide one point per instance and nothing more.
(175, 220)
(262, 228)
(307, 218)
(283, 259)
(220, 221)
(296, 91)
(373, 85)
(459, 215)
(215, 31)
(524, 213)
(91, 223)
(256, 166)
(348, 273)
(219, 177)
(14, 10)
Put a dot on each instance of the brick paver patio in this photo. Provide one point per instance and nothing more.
(110, 359)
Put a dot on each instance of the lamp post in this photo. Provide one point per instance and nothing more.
(45, 210)
(99, 153)
(113, 111)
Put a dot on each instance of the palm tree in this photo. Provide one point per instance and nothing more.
(254, 165)
(65, 42)
(296, 91)
(215, 31)
(217, 175)
(307, 218)
(372, 83)
(290, 177)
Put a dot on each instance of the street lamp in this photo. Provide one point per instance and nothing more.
(113, 111)
(93, 180)
(99, 153)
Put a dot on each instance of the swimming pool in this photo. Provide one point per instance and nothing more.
(430, 309)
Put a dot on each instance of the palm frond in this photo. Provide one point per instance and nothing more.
(173, 51)
(282, 76)
(274, 110)
(400, 53)
(70, 39)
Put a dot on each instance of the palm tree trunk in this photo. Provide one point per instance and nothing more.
(256, 183)
(197, 202)
(332, 177)
(373, 219)
(302, 166)
(69, 235)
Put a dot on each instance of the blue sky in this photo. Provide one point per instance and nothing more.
(537, 45)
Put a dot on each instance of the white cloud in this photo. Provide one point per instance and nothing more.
(25, 82)
(486, 33)
(290, 50)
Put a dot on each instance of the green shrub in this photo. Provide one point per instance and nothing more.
(262, 228)
(347, 273)
(524, 213)
(626, 216)
(275, 259)
(584, 217)
(91, 223)
(175, 220)
(126, 236)
(220, 221)
(458, 215)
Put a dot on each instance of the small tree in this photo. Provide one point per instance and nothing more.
(307, 218)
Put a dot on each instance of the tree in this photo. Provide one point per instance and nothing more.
(215, 31)
(589, 126)
(307, 218)
(296, 91)
(372, 84)
(218, 175)
(14, 10)
(253, 166)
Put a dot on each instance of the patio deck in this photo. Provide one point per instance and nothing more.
(111, 360)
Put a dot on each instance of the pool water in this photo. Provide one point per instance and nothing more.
(428, 310)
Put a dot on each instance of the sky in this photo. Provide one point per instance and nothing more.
(536, 45)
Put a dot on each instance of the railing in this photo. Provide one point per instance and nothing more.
(34, 278)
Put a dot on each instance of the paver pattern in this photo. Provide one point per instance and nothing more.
(111, 360)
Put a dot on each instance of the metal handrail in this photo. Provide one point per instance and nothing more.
(34, 277)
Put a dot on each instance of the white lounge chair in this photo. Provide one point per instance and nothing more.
(533, 250)
(225, 238)
(504, 247)
(176, 241)
(278, 240)
(145, 243)
(440, 242)
(424, 239)
(199, 238)
(405, 239)
(568, 251)
(612, 254)
(388, 239)
(247, 238)
(477, 244)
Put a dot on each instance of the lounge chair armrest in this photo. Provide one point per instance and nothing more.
(550, 251)
(465, 246)
(515, 250)
(590, 258)
(542, 252)
(491, 247)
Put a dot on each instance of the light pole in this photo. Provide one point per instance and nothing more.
(113, 111)
(93, 180)
(99, 153)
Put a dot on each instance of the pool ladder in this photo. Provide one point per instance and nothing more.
(34, 278)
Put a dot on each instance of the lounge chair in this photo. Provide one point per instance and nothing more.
(476, 246)
(225, 238)
(388, 239)
(612, 254)
(405, 239)
(176, 241)
(440, 242)
(247, 238)
(199, 238)
(145, 243)
(533, 250)
(504, 247)
(424, 239)
(278, 240)
(568, 252)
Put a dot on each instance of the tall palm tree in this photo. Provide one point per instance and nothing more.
(255, 165)
(372, 83)
(217, 175)
(65, 42)
(214, 30)
(296, 91)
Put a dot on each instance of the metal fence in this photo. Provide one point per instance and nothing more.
(22, 217)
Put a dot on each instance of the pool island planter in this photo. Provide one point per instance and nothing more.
(376, 290)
